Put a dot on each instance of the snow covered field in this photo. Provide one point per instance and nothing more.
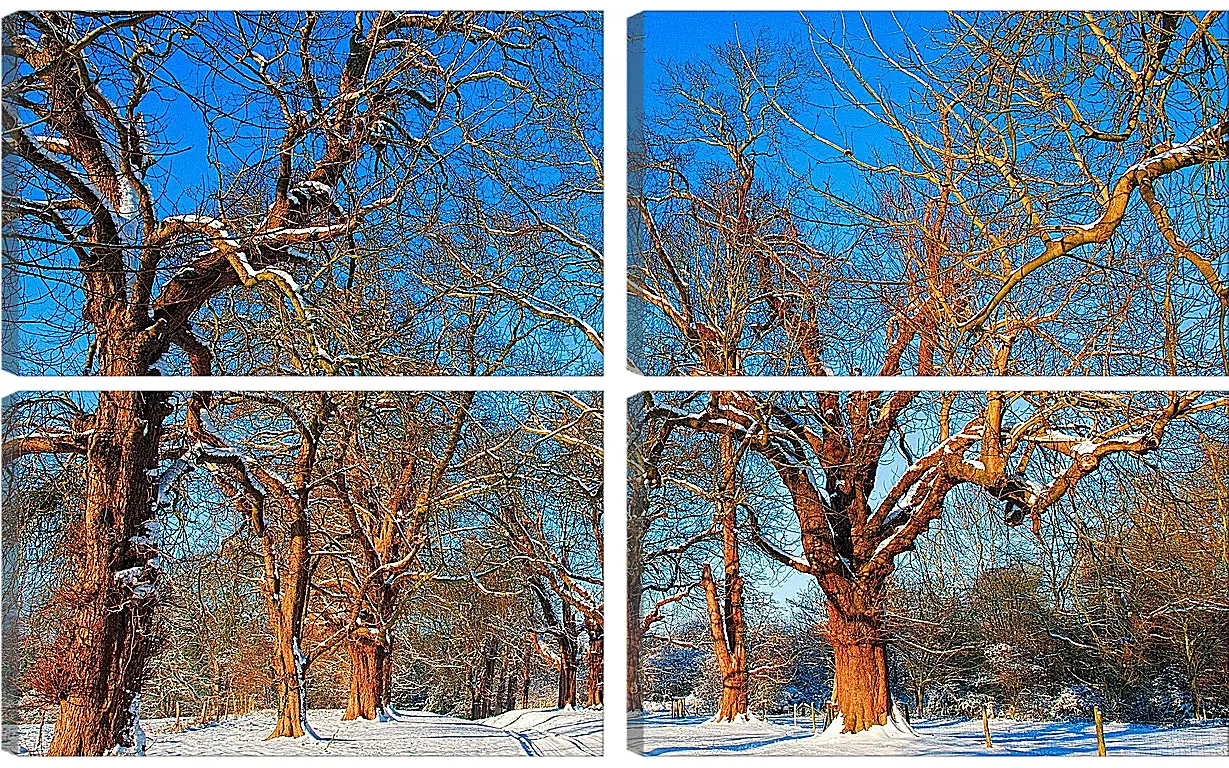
(657, 734)
(520, 732)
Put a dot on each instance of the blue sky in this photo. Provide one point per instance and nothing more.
(798, 167)
(678, 36)
(245, 134)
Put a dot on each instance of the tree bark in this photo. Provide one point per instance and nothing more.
(288, 663)
(369, 661)
(526, 679)
(594, 685)
(635, 596)
(568, 661)
(859, 646)
(487, 691)
(112, 598)
(731, 654)
(725, 614)
(286, 599)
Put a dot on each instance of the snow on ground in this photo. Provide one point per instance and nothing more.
(658, 734)
(520, 732)
(553, 731)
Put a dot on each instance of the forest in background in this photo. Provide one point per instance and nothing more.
(1114, 598)
(366, 551)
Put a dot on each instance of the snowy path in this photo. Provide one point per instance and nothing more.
(553, 732)
(522, 732)
(657, 734)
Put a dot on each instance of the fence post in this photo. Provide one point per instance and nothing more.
(985, 725)
(177, 716)
(795, 714)
(814, 723)
(41, 725)
(1096, 718)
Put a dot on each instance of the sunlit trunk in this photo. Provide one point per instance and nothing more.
(594, 667)
(368, 698)
(286, 599)
(859, 647)
(292, 693)
(725, 613)
(112, 594)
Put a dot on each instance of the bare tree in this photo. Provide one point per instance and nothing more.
(1025, 450)
(771, 237)
(391, 485)
(277, 510)
(751, 256)
(359, 118)
(662, 534)
(554, 521)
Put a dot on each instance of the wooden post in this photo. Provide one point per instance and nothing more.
(795, 714)
(814, 722)
(41, 725)
(985, 725)
(204, 710)
(177, 722)
(1096, 718)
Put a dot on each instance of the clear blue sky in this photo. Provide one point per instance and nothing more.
(186, 179)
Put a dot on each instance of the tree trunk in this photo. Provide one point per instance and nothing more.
(527, 679)
(859, 646)
(509, 702)
(726, 615)
(112, 597)
(292, 705)
(568, 661)
(636, 531)
(731, 656)
(594, 686)
(635, 630)
(488, 678)
(368, 676)
(501, 691)
(286, 599)
(386, 689)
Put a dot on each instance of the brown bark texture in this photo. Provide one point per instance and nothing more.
(112, 599)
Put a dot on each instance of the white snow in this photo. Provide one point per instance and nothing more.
(303, 192)
(746, 720)
(894, 731)
(553, 731)
(658, 734)
(519, 732)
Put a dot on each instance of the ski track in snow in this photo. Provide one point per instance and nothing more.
(519, 732)
(553, 732)
(657, 734)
